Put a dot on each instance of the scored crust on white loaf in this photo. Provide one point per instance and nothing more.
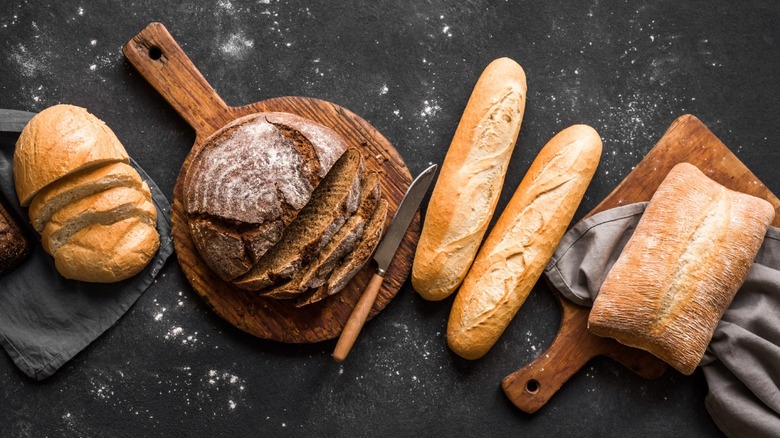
(103, 208)
(524, 238)
(681, 268)
(471, 179)
(108, 253)
(79, 185)
(58, 141)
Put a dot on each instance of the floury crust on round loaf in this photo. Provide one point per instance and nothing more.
(249, 181)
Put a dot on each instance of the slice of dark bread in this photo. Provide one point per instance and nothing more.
(332, 203)
(249, 181)
(354, 261)
(316, 273)
(14, 246)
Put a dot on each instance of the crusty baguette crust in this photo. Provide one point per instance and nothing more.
(470, 182)
(690, 252)
(58, 141)
(522, 241)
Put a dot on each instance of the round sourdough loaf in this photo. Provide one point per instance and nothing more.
(60, 140)
(249, 180)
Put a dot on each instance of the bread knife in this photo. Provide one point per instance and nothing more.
(13, 120)
(382, 256)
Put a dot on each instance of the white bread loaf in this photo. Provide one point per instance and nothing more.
(78, 185)
(95, 213)
(60, 140)
(104, 207)
(679, 271)
(523, 240)
(108, 253)
(470, 182)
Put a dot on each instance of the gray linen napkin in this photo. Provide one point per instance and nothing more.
(45, 320)
(742, 362)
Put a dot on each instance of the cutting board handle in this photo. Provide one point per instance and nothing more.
(160, 60)
(532, 386)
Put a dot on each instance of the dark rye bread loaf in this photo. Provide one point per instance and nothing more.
(249, 181)
(355, 259)
(14, 247)
(316, 273)
(332, 203)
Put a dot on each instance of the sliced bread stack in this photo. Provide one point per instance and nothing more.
(328, 242)
(278, 205)
(247, 183)
(94, 213)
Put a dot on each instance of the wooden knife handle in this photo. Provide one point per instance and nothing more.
(357, 318)
(160, 60)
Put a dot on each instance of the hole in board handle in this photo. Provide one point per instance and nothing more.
(532, 386)
(155, 53)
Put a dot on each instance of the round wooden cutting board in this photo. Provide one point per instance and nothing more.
(161, 61)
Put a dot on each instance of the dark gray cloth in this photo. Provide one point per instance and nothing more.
(742, 362)
(45, 319)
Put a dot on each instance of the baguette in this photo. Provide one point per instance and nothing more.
(472, 175)
(522, 241)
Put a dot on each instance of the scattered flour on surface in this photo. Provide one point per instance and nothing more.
(430, 108)
(27, 63)
(237, 45)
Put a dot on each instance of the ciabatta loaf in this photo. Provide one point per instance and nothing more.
(470, 182)
(522, 241)
(678, 273)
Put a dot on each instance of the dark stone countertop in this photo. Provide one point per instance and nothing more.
(170, 367)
